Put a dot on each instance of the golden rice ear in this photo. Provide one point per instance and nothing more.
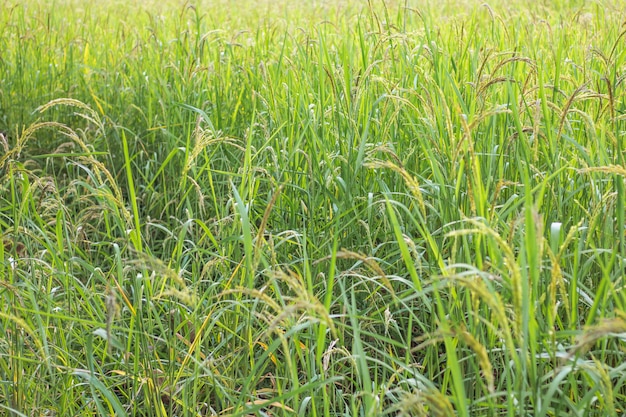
(4, 142)
(608, 169)
(410, 180)
(428, 402)
(586, 340)
(481, 353)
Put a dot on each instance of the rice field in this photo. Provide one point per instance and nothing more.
(314, 208)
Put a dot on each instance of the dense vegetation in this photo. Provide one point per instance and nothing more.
(314, 208)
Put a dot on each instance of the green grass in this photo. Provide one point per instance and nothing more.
(312, 208)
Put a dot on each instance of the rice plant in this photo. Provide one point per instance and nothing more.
(320, 208)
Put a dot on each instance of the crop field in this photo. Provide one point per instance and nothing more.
(312, 208)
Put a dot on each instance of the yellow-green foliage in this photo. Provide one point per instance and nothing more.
(312, 208)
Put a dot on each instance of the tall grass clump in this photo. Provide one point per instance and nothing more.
(323, 208)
